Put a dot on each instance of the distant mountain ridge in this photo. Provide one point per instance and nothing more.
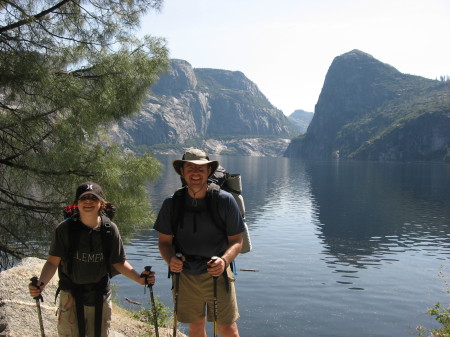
(369, 110)
(220, 110)
(301, 119)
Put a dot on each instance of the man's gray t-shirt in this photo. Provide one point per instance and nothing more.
(198, 235)
(89, 265)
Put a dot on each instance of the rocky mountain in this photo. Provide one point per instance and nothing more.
(369, 110)
(220, 110)
(301, 119)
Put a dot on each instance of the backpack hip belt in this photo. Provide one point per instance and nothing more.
(92, 294)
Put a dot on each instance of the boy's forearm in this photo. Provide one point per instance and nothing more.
(49, 269)
(127, 270)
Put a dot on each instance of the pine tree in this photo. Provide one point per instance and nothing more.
(68, 69)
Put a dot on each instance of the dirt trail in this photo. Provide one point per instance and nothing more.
(18, 314)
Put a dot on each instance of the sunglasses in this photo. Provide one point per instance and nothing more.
(89, 197)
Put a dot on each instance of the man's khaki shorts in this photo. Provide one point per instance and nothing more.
(196, 296)
(67, 318)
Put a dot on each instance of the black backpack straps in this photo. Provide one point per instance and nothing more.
(73, 237)
(79, 307)
(177, 218)
(74, 232)
(74, 241)
(107, 235)
(212, 205)
(178, 201)
(98, 314)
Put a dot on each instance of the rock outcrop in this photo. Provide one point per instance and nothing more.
(194, 105)
(369, 110)
(18, 313)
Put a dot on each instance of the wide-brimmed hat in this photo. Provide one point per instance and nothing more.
(89, 187)
(197, 157)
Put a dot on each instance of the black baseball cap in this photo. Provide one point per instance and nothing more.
(89, 187)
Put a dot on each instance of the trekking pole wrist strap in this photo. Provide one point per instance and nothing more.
(226, 263)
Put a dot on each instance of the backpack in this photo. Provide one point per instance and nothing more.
(220, 179)
(70, 214)
(101, 289)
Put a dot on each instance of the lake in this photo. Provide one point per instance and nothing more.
(342, 248)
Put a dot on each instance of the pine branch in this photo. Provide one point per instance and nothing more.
(31, 18)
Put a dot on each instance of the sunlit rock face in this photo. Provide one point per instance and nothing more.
(369, 110)
(187, 104)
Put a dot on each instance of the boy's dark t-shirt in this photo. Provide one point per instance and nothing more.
(88, 264)
(199, 235)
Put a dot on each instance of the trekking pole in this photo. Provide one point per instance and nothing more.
(39, 298)
(214, 258)
(152, 299)
(177, 288)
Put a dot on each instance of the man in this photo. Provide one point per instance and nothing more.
(83, 254)
(192, 231)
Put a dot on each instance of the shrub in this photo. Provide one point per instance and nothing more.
(441, 314)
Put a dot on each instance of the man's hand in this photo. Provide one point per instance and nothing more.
(216, 266)
(176, 263)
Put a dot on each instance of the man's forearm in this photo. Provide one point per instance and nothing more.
(234, 247)
(167, 251)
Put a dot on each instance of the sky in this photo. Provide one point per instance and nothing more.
(286, 46)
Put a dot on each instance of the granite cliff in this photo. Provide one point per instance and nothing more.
(219, 110)
(369, 110)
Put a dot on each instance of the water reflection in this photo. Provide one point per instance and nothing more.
(365, 212)
(368, 213)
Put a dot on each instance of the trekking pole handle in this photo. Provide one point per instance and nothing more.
(179, 256)
(214, 259)
(34, 282)
(149, 269)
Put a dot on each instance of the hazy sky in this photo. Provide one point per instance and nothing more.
(287, 46)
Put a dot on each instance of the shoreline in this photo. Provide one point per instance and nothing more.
(18, 313)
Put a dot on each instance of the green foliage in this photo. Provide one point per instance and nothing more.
(67, 70)
(374, 131)
(442, 316)
(163, 313)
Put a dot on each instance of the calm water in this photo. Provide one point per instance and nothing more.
(345, 249)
